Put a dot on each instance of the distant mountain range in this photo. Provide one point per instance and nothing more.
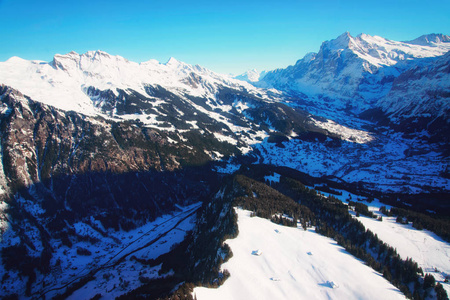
(365, 72)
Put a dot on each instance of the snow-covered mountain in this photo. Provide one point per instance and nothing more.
(251, 76)
(107, 163)
(430, 40)
(177, 100)
(354, 72)
(65, 81)
(422, 91)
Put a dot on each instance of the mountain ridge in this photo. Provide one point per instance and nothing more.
(344, 61)
(359, 74)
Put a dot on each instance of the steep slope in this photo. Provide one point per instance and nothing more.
(430, 40)
(293, 262)
(353, 72)
(71, 183)
(219, 117)
(73, 180)
(420, 97)
(169, 97)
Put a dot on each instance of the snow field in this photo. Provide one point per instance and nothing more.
(384, 163)
(293, 263)
(423, 246)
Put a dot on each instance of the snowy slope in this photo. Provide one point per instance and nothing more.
(177, 97)
(424, 247)
(64, 82)
(251, 76)
(430, 39)
(296, 263)
(423, 91)
(106, 261)
(354, 71)
(171, 96)
(388, 162)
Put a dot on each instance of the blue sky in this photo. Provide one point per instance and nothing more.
(225, 36)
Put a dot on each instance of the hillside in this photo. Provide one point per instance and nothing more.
(293, 262)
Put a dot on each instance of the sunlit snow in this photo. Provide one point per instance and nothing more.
(293, 263)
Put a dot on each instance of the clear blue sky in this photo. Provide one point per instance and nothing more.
(225, 36)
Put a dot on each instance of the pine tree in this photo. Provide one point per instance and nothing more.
(441, 294)
(387, 274)
(429, 281)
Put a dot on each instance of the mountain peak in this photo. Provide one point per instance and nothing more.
(15, 60)
(430, 39)
(343, 66)
(251, 76)
(73, 60)
(342, 41)
(172, 61)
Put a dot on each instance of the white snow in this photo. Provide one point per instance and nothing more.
(346, 133)
(223, 138)
(424, 247)
(251, 76)
(383, 163)
(285, 269)
(63, 82)
(112, 276)
(350, 72)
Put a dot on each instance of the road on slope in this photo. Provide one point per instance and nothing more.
(123, 253)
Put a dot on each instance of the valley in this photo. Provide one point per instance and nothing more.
(148, 180)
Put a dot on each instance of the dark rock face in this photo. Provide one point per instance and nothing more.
(60, 168)
(62, 150)
(76, 166)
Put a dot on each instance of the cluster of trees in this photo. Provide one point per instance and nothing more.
(361, 208)
(440, 226)
(285, 221)
(385, 211)
(327, 189)
(267, 202)
(199, 257)
(429, 283)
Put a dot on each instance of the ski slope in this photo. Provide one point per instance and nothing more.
(293, 262)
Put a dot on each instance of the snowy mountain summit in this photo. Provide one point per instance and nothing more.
(64, 82)
(251, 76)
(356, 71)
(430, 40)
